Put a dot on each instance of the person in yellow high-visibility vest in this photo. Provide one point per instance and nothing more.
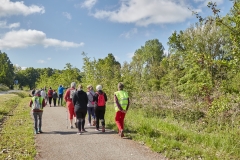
(121, 104)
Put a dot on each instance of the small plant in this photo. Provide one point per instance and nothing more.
(220, 105)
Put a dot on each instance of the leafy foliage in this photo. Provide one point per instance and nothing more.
(6, 70)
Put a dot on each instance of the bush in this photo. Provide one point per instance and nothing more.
(3, 87)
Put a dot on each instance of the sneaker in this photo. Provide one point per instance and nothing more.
(96, 129)
(40, 131)
(83, 130)
(71, 127)
(35, 132)
(89, 124)
(79, 133)
(121, 133)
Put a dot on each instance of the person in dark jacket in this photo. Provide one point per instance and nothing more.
(100, 107)
(54, 96)
(80, 101)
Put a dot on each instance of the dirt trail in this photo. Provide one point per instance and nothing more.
(61, 143)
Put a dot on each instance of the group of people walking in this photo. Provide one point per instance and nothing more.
(51, 95)
(80, 103)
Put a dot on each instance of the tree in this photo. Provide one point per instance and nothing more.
(6, 70)
(102, 71)
(29, 77)
(57, 77)
(145, 64)
(230, 24)
(201, 53)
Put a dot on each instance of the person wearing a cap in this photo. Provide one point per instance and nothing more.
(37, 113)
(99, 109)
(68, 98)
(121, 104)
(90, 106)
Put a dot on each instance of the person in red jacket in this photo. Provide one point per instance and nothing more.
(50, 93)
(37, 103)
(68, 98)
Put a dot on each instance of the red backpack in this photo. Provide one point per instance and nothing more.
(101, 100)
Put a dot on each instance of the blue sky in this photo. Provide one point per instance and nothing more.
(51, 33)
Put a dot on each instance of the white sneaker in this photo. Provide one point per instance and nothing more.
(89, 124)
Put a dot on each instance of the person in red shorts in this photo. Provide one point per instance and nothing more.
(68, 98)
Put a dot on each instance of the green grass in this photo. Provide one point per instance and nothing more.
(16, 137)
(7, 103)
(3, 88)
(178, 139)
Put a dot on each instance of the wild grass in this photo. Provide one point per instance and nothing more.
(22, 94)
(7, 103)
(16, 137)
(3, 88)
(179, 139)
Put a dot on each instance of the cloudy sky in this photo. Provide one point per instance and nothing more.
(51, 33)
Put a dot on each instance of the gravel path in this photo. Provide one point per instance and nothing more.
(61, 143)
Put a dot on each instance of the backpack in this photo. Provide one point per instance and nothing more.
(50, 92)
(72, 93)
(36, 104)
(54, 95)
(101, 100)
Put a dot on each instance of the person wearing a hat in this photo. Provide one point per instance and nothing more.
(90, 106)
(100, 99)
(37, 103)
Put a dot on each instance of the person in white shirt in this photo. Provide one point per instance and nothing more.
(43, 95)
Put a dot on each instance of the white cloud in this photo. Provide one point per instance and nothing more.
(8, 8)
(130, 33)
(146, 12)
(26, 38)
(23, 68)
(130, 55)
(3, 24)
(41, 61)
(67, 15)
(49, 58)
(88, 3)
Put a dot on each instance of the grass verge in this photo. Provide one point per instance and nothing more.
(179, 139)
(7, 103)
(16, 138)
